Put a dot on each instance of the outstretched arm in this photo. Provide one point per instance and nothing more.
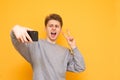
(19, 38)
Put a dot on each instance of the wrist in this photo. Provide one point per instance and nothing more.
(73, 47)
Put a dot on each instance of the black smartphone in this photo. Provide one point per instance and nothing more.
(33, 35)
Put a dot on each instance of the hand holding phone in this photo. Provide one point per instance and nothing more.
(33, 35)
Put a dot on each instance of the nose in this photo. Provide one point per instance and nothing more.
(53, 27)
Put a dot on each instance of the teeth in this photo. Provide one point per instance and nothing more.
(53, 33)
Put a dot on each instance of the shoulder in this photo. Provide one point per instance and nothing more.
(63, 49)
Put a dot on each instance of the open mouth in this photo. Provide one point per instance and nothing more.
(53, 34)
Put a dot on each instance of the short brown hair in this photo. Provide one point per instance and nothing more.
(54, 17)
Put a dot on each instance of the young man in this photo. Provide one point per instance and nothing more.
(49, 61)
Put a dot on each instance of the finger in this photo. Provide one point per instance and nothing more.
(24, 38)
(21, 39)
(65, 35)
(68, 32)
(28, 38)
(71, 38)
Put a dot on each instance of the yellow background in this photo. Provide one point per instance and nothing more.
(95, 24)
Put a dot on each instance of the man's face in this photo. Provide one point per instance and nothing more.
(53, 29)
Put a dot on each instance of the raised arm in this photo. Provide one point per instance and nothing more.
(75, 58)
(75, 61)
(20, 40)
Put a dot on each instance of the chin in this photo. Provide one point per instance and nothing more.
(53, 39)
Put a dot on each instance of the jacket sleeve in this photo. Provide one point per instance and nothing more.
(75, 61)
(22, 48)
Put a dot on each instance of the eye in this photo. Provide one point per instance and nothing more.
(50, 25)
(56, 26)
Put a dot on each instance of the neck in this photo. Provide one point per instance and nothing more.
(53, 42)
